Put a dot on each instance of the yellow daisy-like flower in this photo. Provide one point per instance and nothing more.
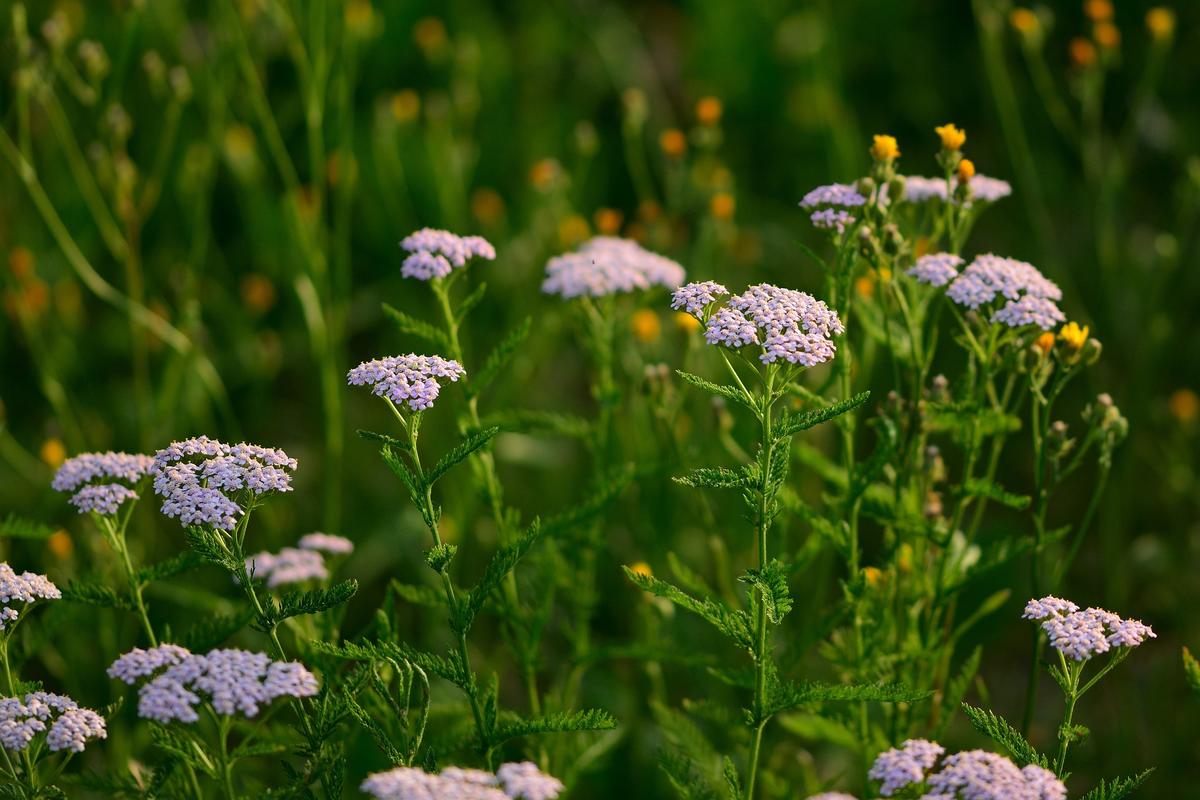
(885, 148)
(1074, 336)
(966, 169)
(953, 138)
(1108, 36)
(608, 221)
(1098, 10)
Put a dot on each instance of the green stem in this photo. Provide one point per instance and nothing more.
(762, 654)
(116, 537)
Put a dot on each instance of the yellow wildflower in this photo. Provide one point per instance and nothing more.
(1108, 36)
(1184, 405)
(708, 111)
(1098, 10)
(646, 325)
(53, 453)
(874, 575)
(405, 106)
(1024, 21)
(722, 205)
(60, 544)
(1073, 335)
(673, 143)
(952, 137)
(573, 230)
(608, 221)
(1160, 22)
(1083, 52)
(966, 169)
(545, 173)
(885, 148)
(641, 568)
(686, 322)
(487, 205)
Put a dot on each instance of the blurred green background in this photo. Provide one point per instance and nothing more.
(259, 220)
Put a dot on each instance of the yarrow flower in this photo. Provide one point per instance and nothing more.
(69, 726)
(513, 781)
(980, 775)
(77, 475)
(905, 765)
(232, 681)
(326, 543)
(789, 324)
(196, 476)
(833, 194)
(985, 189)
(696, 296)
(26, 588)
(832, 219)
(290, 565)
(1080, 635)
(436, 253)
(935, 269)
(1030, 295)
(607, 265)
(410, 379)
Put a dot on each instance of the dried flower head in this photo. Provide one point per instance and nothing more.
(232, 681)
(1080, 635)
(1029, 294)
(410, 379)
(289, 566)
(26, 589)
(326, 543)
(935, 269)
(607, 265)
(67, 726)
(196, 478)
(436, 253)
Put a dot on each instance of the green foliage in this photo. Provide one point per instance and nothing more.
(412, 326)
(211, 548)
(463, 450)
(1191, 670)
(719, 477)
(213, 630)
(723, 390)
(295, 604)
(445, 667)
(791, 424)
(734, 624)
(498, 358)
(94, 594)
(1118, 788)
(561, 722)
(179, 564)
(784, 696)
(999, 731)
(503, 562)
(772, 583)
(15, 527)
(990, 490)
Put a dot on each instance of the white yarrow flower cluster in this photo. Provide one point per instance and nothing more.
(513, 781)
(67, 726)
(607, 265)
(25, 589)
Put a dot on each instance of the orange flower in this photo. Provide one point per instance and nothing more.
(1160, 22)
(545, 173)
(608, 221)
(708, 111)
(1108, 36)
(487, 205)
(646, 325)
(20, 261)
(1024, 21)
(1083, 52)
(60, 544)
(673, 143)
(53, 453)
(874, 576)
(649, 210)
(430, 35)
(1098, 10)
(722, 205)
(864, 285)
(966, 170)
(258, 293)
(1184, 405)
(1045, 342)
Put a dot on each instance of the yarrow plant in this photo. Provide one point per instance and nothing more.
(512, 781)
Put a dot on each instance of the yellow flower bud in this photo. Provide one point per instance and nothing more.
(1073, 336)
(864, 285)
(966, 170)
(885, 148)
(405, 105)
(708, 111)
(673, 143)
(53, 453)
(952, 137)
(722, 205)
(60, 544)
(1098, 10)
(1083, 52)
(874, 576)
(641, 568)
(1108, 36)
(1045, 343)
(1024, 21)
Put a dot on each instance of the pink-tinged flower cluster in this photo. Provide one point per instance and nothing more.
(918, 189)
(410, 379)
(834, 194)
(435, 253)
(790, 325)
(326, 543)
(980, 775)
(905, 765)
(935, 269)
(832, 796)
(1030, 295)
(66, 724)
(985, 189)
(232, 681)
(26, 588)
(195, 477)
(1080, 635)
(96, 480)
(290, 565)
(607, 265)
(832, 219)
(696, 296)
(513, 781)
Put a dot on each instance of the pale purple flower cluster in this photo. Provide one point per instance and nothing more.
(26, 588)
(195, 476)
(905, 765)
(102, 498)
(1030, 294)
(326, 543)
(696, 296)
(607, 265)
(796, 326)
(232, 681)
(918, 189)
(980, 775)
(832, 219)
(87, 467)
(435, 253)
(935, 269)
(410, 379)
(290, 565)
(1079, 635)
(834, 194)
(513, 781)
(69, 726)
(832, 796)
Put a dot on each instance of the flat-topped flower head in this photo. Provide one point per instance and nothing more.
(905, 765)
(606, 265)
(436, 253)
(199, 478)
(832, 796)
(790, 325)
(918, 189)
(326, 543)
(66, 725)
(980, 775)
(513, 781)
(102, 481)
(834, 194)
(1080, 635)
(412, 379)
(290, 565)
(983, 189)
(232, 681)
(696, 296)
(832, 219)
(935, 269)
(1029, 295)
(18, 592)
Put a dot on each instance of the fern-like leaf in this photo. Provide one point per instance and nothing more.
(1118, 788)
(295, 604)
(999, 731)
(593, 719)
(15, 527)
(503, 562)
(498, 358)
(733, 623)
(795, 423)
(415, 327)
(94, 594)
(772, 583)
(728, 392)
(788, 695)
(462, 451)
(990, 490)
(718, 478)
